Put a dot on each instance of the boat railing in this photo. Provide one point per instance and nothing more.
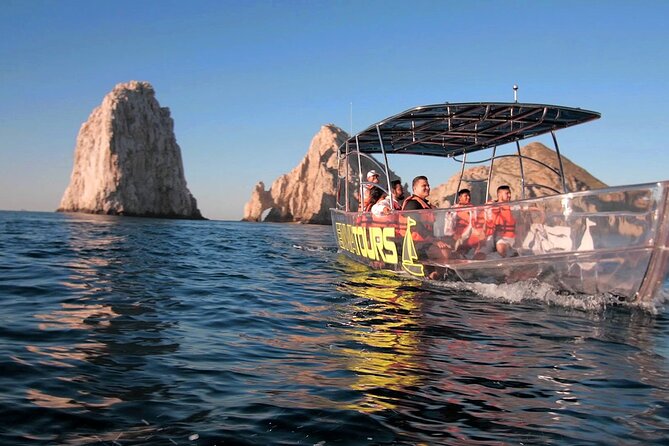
(609, 217)
(524, 185)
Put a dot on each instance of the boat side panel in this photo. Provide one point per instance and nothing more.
(373, 242)
(588, 242)
(657, 275)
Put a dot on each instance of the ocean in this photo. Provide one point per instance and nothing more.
(130, 331)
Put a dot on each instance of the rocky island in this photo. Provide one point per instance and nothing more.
(305, 194)
(127, 160)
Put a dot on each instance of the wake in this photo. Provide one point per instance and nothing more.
(536, 291)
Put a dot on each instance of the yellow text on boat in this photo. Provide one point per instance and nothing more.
(373, 242)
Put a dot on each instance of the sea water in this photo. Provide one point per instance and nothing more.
(128, 331)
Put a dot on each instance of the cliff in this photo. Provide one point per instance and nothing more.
(307, 192)
(506, 171)
(127, 160)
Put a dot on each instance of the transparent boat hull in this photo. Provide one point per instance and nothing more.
(609, 241)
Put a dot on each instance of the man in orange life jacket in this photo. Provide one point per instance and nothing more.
(469, 228)
(501, 224)
(418, 200)
(423, 234)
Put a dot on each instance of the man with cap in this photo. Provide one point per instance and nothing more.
(372, 177)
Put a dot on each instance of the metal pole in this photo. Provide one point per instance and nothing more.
(360, 198)
(559, 157)
(462, 172)
(338, 195)
(492, 161)
(347, 179)
(522, 172)
(347, 160)
(385, 160)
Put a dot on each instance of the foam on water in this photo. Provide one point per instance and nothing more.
(536, 291)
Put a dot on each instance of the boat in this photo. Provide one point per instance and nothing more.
(609, 242)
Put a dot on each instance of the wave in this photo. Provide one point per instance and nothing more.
(536, 291)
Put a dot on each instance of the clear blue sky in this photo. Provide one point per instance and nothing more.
(249, 83)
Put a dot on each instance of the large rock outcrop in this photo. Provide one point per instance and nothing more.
(507, 171)
(306, 194)
(127, 160)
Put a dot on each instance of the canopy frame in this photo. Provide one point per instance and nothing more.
(449, 130)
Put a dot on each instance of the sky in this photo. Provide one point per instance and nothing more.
(250, 83)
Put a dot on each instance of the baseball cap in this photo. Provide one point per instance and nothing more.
(372, 173)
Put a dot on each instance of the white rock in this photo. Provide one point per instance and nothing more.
(127, 160)
(307, 192)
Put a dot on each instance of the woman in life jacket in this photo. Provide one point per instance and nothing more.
(375, 194)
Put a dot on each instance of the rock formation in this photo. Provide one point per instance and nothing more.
(307, 193)
(506, 171)
(127, 160)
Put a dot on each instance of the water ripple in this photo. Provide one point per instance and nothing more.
(126, 331)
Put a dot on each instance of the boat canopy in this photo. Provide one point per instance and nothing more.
(453, 129)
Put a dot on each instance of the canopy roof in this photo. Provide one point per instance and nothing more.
(453, 129)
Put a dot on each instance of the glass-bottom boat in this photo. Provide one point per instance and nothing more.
(611, 241)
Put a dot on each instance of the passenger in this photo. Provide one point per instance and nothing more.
(468, 233)
(424, 240)
(383, 206)
(501, 224)
(372, 177)
(375, 194)
(418, 200)
(397, 193)
(464, 198)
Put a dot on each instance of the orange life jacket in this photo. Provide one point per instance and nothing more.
(423, 204)
(504, 223)
(362, 219)
(462, 221)
(423, 230)
(366, 198)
